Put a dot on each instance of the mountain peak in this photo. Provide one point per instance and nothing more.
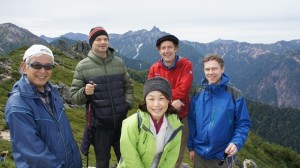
(12, 27)
(155, 29)
(8, 24)
(222, 41)
(13, 37)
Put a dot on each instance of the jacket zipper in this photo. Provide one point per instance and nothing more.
(212, 116)
(175, 132)
(110, 94)
(48, 108)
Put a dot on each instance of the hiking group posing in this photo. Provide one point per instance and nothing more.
(213, 124)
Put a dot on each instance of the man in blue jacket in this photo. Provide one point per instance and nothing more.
(41, 135)
(219, 121)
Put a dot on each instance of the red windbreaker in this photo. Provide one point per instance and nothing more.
(180, 77)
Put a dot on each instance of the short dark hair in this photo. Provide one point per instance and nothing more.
(211, 57)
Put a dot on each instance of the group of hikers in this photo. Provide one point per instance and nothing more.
(213, 123)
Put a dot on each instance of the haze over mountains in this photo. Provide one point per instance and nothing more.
(268, 73)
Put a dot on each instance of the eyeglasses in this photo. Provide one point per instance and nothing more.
(221, 162)
(37, 65)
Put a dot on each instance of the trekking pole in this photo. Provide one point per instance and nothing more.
(89, 125)
(89, 132)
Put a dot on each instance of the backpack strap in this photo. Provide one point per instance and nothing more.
(197, 91)
(235, 93)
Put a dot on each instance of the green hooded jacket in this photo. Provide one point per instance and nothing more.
(138, 144)
(113, 95)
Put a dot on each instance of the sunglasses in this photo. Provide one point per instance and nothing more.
(37, 65)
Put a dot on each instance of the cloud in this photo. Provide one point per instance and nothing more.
(252, 21)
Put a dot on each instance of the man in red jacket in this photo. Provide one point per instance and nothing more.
(178, 71)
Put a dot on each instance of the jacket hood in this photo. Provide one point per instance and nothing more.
(110, 54)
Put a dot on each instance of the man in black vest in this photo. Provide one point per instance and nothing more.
(102, 82)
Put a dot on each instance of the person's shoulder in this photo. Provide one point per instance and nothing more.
(16, 102)
(197, 91)
(235, 92)
(132, 116)
(131, 121)
(83, 62)
(156, 64)
(87, 58)
(55, 86)
(173, 118)
(14, 97)
(185, 60)
(118, 58)
(173, 121)
(56, 89)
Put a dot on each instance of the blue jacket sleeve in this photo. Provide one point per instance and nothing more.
(192, 123)
(242, 123)
(28, 148)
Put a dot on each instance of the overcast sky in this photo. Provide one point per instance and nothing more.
(253, 21)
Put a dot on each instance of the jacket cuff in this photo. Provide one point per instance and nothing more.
(190, 150)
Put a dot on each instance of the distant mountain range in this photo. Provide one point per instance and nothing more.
(268, 73)
(72, 36)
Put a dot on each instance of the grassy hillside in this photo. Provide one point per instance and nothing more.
(265, 154)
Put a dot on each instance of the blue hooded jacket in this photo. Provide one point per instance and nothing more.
(38, 137)
(218, 116)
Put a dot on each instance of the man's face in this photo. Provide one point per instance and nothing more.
(100, 45)
(213, 71)
(38, 77)
(167, 50)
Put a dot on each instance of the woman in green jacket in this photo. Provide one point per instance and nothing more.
(151, 137)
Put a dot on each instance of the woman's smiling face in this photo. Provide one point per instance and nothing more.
(157, 104)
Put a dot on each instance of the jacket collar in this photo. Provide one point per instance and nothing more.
(222, 83)
(174, 64)
(145, 116)
(25, 87)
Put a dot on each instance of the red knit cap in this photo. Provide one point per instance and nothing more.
(95, 32)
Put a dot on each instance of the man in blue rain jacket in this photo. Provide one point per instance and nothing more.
(219, 121)
(41, 135)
